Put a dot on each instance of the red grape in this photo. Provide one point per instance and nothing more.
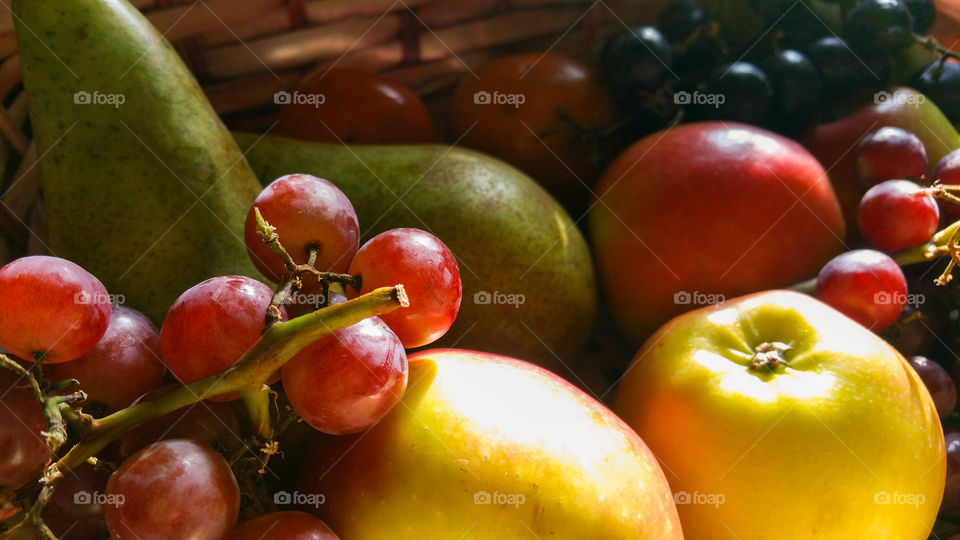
(897, 214)
(52, 307)
(123, 366)
(209, 422)
(947, 172)
(866, 286)
(75, 512)
(938, 383)
(177, 488)
(345, 382)
(426, 268)
(889, 153)
(212, 325)
(950, 506)
(23, 451)
(283, 526)
(306, 211)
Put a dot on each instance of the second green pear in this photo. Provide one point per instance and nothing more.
(528, 279)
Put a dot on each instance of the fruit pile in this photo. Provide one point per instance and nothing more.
(223, 335)
(58, 320)
(803, 56)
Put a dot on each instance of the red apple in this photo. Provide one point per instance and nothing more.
(707, 211)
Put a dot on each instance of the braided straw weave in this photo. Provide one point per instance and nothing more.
(244, 51)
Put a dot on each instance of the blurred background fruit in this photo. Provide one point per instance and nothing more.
(349, 105)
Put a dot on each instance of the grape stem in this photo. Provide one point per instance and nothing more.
(932, 44)
(942, 243)
(247, 376)
(56, 433)
(291, 281)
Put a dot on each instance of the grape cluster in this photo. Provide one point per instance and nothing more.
(173, 480)
(778, 80)
(917, 314)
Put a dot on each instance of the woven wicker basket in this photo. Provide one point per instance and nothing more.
(243, 51)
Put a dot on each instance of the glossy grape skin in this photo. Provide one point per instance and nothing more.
(283, 526)
(124, 365)
(897, 214)
(796, 88)
(950, 506)
(75, 512)
(344, 383)
(940, 82)
(634, 62)
(865, 285)
(800, 26)
(747, 92)
(702, 51)
(680, 19)
(924, 14)
(212, 325)
(178, 488)
(883, 26)
(889, 153)
(911, 337)
(306, 211)
(428, 271)
(842, 71)
(938, 383)
(209, 422)
(947, 172)
(51, 306)
(23, 451)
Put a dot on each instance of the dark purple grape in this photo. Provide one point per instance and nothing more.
(950, 506)
(842, 71)
(941, 83)
(924, 14)
(796, 88)
(878, 26)
(681, 19)
(742, 93)
(938, 382)
(635, 62)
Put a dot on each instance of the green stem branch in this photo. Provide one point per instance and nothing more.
(249, 374)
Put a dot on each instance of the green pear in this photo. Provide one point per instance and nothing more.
(528, 280)
(834, 143)
(144, 186)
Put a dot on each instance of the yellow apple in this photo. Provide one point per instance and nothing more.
(485, 446)
(776, 417)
